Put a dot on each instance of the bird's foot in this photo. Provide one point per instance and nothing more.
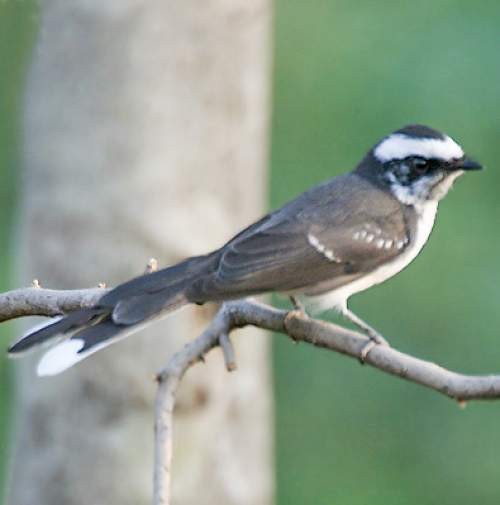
(298, 310)
(375, 339)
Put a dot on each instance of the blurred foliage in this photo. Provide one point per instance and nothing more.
(17, 28)
(347, 73)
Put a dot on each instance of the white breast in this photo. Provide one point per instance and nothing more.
(338, 297)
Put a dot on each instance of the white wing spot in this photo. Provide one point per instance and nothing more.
(370, 237)
(388, 244)
(327, 253)
(356, 236)
(313, 240)
(373, 228)
(380, 243)
(400, 244)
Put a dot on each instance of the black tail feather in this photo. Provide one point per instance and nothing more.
(177, 275)
(41, 334)
(117, 314)
(92, 336)
(136, 309)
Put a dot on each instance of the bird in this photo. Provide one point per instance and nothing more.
(336, 239)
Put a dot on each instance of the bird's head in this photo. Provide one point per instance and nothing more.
(417, 163)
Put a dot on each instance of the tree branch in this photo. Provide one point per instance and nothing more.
(36, 301)
(237, 314)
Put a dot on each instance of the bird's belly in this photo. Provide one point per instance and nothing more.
(337, 297)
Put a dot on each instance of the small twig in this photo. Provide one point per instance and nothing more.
(152, 266)
(228, 352)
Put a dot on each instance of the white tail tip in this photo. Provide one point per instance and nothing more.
(60, 358)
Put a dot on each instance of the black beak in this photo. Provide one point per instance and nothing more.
(469, 164)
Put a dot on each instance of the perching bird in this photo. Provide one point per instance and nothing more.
(336, 239)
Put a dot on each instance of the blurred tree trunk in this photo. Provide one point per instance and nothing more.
(145, 135)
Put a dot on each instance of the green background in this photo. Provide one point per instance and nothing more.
(347, 73)
(18, 24)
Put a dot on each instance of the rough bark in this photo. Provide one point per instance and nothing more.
(145, 135)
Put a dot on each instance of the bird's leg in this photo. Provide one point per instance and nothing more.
(375, 337)
(372, 333)
(297, 304)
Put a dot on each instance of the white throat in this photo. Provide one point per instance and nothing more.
(429, 188)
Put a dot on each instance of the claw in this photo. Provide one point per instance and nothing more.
(375, 339)
(366, 349)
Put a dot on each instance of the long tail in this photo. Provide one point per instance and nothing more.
(122, 311)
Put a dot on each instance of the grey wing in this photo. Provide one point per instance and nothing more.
(329, 232)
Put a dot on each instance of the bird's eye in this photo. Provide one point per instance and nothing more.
(420, 165)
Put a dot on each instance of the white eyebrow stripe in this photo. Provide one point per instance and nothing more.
(398, 146)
